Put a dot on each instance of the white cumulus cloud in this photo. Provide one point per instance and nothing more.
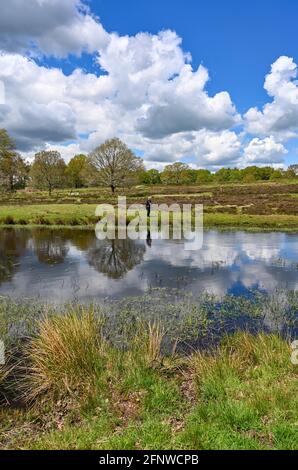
(280, 117)
(51, 27)
(145, 92)
(143, 74)
(264, 151)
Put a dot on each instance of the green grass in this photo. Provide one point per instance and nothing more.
(272, 222)
(54, 214)
(247, 397)
(90, 394)
(83, 215)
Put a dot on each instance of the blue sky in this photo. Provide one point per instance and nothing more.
(235, 41)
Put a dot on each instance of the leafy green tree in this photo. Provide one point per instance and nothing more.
(223, 175)
(276, 175)
(177, 173)
(75, 171)
(150, 177)
(13, 169)
(256, 173)
(190, 176)
(250, 174)
(235, 175)
(292, 171)
(264, 173)
(204, 176)
(91, 175)
(48, 170)
(116, 164)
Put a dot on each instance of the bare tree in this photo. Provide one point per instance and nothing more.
(116, 164)
(51, 248)
(115, 258)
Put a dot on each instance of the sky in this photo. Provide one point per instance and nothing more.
(211, 83)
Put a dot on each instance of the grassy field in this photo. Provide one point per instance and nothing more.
(263, 205)
(86, 393)
(75, 215)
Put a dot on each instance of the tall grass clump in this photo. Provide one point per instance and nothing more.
(5, 378)
(240, 355)
(67, 356)
(3, 374)
(155, 335)
(146, 344)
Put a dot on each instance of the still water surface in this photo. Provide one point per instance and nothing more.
(64, 265)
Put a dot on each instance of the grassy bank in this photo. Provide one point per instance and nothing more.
(83, 215)
(89, 395)
(80, 387)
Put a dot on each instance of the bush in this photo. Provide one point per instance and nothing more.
(22, 222)
(59, 222)
(9, 220)
(74, 222)
(41, 221)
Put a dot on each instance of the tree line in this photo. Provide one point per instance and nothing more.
(113, 164)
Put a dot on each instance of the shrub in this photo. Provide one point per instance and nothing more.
(74, 222)
(9, 220)
(40, 220)
(59, 222)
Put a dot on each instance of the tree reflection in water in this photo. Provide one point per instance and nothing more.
(50, 247)
(116, 257)
(80, 239)
(13, 244)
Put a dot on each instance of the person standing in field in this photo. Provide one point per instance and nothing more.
(148, 206)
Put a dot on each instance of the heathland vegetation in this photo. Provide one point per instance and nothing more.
(50, 192)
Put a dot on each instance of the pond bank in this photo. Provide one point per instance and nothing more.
(77, 215)
(87, 393)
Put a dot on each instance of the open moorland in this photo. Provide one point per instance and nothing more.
(266, 204)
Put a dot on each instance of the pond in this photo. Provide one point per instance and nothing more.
(65, 265)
